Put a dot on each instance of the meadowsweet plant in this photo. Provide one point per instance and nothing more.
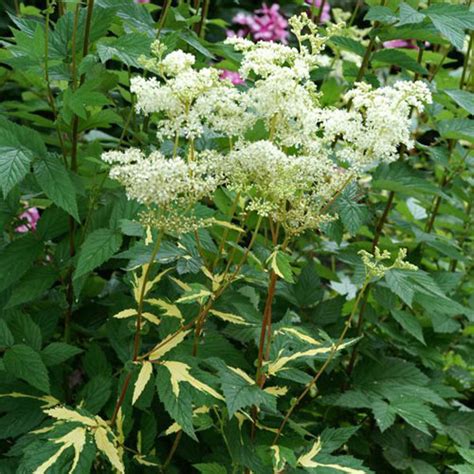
(234, 252)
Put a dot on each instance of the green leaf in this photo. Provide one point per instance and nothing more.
(77, 101)
(32, 285)
(409, 322)
(18, 147)
(26, 331)
(241, 391)
(398, 282)
(180, 408)
(463, 98)
(23, 362)
(451, 21)
(195, 42)
(352, 214)
(408, 15)
(98, 247)
(348, 44)
(308, 290)
(55, 182)
(16, 259)
(458, 129)
(127, 48)
(396, 57)
(383, 414)
(58, 352)
(416, 414)
(381, 14)
(6, 337)
(210, 468)
(280, 264)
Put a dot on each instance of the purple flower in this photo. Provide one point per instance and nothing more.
(232, 76)
(400, 43)
(31, 217)
(325, 14)
(265, 24)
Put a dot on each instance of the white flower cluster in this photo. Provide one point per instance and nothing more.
(292, 170)
(376, 124)
(292, 190)
(170, 187)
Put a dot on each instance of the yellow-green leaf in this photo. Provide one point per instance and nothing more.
(180, 373)
(151, 318)
(167, 344)
(75, 438)
(126, 313)
(229, 317)
(111, 452)
(170, 310)
(143, 378)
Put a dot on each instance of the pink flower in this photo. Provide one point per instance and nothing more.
(31, 216)
(232, 76)
(270, 24)
(265, 24)
(409, 44)
(142, 1)
(325, 14)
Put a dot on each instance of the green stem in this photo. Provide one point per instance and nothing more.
(202, 24)
(324, 366)
(136, 339)
(163, 15)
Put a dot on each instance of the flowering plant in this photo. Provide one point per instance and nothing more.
(243, 252)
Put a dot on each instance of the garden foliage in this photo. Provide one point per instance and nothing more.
(250, 254)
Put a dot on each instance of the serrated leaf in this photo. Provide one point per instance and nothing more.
(179, 408)
(58, 352)
(408, 15)
(18, 147)
(6, 337)
(75, 439)
(126, 48)
(451, 21)
(16, 258)
(229, 317)
(126, 313)
(170, 309)
(383, 414)
(458, 128)
(241, 391)
(464, 99)
(32, 285)
(409, 322)
(143, 378)
(381, 14)
(180, 373)
(25, 363)
(106, 447)
(280, 264)
(56, 183)
(98, 247)
(396, 57)
(170, 342)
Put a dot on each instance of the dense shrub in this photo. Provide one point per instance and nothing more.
(250, 254)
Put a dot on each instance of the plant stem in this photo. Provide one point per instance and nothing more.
(136, 339)
(163, 15)
(368, 51)
(317, 20)
(72, 226)
(201, 31)
(324, 366)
